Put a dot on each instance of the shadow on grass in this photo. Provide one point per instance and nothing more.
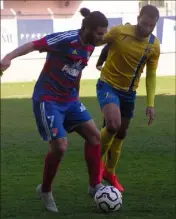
(18, 113)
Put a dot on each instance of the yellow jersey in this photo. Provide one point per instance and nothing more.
(127, 57)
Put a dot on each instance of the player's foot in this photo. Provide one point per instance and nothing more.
(113, 180)
(47, 198)
(93, 190)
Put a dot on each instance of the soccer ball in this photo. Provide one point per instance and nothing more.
(108, 199)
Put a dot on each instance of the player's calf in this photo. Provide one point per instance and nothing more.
(52, 161)
(91, 134)
(122, 133)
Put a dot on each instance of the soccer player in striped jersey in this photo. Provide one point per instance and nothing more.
(56, 105)
(131, 48)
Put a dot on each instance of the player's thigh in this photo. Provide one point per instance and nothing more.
(127, 111)
(110, 105)
(49, 120)
(78, 119)
(89, 131)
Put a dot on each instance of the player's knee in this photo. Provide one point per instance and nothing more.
(94, 138)
(121, 134)
(112, 126)
(58, 147)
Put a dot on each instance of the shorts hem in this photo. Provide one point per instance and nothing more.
(72, 129)
(47, 140)
(109, 102)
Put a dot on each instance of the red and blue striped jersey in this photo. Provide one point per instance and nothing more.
(66, 58)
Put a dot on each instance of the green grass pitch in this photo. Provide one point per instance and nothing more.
(146, 168)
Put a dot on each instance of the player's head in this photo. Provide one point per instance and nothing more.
(94, 26)
(147, 20)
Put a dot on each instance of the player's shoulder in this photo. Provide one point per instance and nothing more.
(124, 30)
(118, 28)
(115, 29)
(156, 43)
(70, 34)
(155, 46)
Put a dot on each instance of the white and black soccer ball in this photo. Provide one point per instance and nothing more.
(108, 199)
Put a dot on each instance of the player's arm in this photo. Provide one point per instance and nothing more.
(20, 51)
(152, 65)
(78, 87)
(102, 58)
(47, 43)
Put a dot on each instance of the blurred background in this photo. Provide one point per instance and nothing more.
(25, 20)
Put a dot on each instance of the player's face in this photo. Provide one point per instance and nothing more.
(145, 25)
(95, 36)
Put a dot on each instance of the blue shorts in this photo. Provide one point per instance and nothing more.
(54, 119)
(125, 100)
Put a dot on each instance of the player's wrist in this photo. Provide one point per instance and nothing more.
(150, 102)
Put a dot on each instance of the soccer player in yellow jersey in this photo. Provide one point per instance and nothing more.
(131, 47)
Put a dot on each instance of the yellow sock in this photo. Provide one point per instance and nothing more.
(104, 159)
(106, 140)
(114, 155)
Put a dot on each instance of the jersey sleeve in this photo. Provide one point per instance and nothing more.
(50, 41)
(103, 55)
(152, 62)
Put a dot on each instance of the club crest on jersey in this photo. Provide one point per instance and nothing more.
(74, 52)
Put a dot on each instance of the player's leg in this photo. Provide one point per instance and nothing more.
(91, 134)
(81, 122)
(109, 104)
(116, 146)
(114, 152)
(49, 121)
(107, 155)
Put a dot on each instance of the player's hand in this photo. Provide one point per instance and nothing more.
(99, 68)
(5, 64)
(150, 114)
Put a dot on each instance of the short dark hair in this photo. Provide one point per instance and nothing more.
(93, 19)
(150, 10)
